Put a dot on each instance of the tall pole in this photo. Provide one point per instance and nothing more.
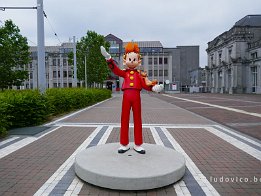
(40, 47)
(85, 69)
(74, 64)
(61, 71)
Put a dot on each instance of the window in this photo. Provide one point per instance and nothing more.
(220, 74)
(54, 62)
(155, 73)
(254, 55)
(150, 60)
(254, 78)
(31, 75)
(64, 74)
(212, 59)
(160, 72)
(54, 74)
(219, 58)
(58, 64)
(70, 74)
(165, 60)
(160, 60)
(229, 55)
(155, 61)
(166, 72)
(64, 62)
(150, 73)
(114, 47)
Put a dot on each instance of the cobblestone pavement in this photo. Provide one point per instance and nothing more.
(219, 160)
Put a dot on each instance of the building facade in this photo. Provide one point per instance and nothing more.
(234, 58)
(59, 73)
(170, 66)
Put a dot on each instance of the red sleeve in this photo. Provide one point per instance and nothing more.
(115, 69)
(144, 85)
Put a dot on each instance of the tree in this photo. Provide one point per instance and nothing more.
(89, 47)
(14, 54)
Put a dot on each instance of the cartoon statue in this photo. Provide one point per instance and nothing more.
(134, 81)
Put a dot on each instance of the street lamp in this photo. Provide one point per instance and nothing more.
(85, 71)
(85, 67)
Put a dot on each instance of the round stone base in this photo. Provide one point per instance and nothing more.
(103, 166)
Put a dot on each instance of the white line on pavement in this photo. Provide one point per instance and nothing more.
(49, 185)
(197, 174)
(235, 142)
(131, 125)
(180, 191)
(78, 187)
(8, 140)
(238, 135)
(218, 106)
(13, 147)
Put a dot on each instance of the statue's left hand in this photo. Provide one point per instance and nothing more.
(157, 88)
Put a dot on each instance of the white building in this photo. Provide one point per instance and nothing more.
(59, 72)
(164, 64)
(234, 58)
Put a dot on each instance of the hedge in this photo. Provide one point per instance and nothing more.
(66, 99)
(30, 107)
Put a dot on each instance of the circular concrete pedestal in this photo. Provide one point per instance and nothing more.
(103, 166)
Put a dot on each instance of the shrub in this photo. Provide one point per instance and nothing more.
(66, 99)
(5, 122)
(25, 107)
(30, 107)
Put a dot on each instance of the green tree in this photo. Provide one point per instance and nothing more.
(89, 47)
(14, 55)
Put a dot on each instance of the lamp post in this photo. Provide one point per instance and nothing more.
(85, 71)
(40, 47)
(74, 64)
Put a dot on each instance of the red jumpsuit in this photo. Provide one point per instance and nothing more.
(131, 87)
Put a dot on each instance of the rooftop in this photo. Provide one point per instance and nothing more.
(249, 20)
(147, 44)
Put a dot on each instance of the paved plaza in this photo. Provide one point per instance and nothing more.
(219, 136)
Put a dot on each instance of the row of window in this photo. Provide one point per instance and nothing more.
(158, 73)
(56, 74)
(56, 62)
(158, 60)
(252, 55)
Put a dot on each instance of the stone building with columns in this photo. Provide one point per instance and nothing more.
(234, 58)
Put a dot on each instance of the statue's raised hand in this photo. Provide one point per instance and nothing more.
(104, 53)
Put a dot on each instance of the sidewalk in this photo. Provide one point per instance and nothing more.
(219, 161)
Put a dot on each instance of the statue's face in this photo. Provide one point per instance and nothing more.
(132, 60)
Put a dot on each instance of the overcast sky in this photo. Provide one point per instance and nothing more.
(173, 22)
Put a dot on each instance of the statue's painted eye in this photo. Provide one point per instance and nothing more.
(134, 59)
(129, 59)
